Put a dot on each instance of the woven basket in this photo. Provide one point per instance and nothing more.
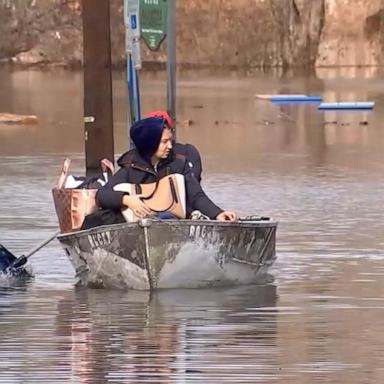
(72, 205)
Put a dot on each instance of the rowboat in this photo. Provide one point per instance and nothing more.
(151, 254)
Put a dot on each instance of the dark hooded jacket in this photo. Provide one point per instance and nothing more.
(192, 156)
(136, 170)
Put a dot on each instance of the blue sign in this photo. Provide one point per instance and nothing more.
(133, 22)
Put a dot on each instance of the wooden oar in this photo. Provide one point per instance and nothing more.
(9, 262)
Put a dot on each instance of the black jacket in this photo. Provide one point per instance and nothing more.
(134, 169)
(193, 158)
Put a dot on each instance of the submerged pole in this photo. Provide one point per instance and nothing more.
(171, 59)
(98, 111)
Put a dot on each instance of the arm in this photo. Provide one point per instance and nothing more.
(106, 197)
(196, 197)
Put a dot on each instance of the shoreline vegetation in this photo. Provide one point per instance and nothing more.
(161, 66)
(290, 35)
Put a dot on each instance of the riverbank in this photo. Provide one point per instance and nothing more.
(242, 33)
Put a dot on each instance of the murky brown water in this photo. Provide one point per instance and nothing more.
(320, 174)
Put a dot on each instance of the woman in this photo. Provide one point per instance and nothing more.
(152, 159)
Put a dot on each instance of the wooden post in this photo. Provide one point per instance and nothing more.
(98, 113)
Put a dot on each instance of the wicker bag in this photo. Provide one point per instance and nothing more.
(73, 204)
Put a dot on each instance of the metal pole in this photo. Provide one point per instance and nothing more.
(98, 111)
(132, 48)
(137, 94)
(171, 59)
(130, 90)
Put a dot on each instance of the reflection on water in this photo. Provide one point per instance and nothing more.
(166, 336)
(90, 336)
(320, 174)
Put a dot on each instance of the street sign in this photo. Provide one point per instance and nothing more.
(153, 22)
(131, 21)
(132, 31)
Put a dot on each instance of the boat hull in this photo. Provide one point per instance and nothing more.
(154, 254)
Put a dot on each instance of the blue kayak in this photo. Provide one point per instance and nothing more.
(295, 98)
(346, 105)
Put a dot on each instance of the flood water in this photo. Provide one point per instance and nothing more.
(320, 174)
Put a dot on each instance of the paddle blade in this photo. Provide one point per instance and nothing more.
(19, 262)
(6, 258)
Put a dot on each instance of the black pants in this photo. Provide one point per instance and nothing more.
(102, 217)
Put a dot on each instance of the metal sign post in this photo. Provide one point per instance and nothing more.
(157, 21)
(171, 61)
(132, 48)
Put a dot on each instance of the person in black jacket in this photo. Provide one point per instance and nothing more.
(188, 150)
(152, 159)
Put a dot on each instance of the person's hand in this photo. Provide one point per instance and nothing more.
(137, 205)
(227, 216)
